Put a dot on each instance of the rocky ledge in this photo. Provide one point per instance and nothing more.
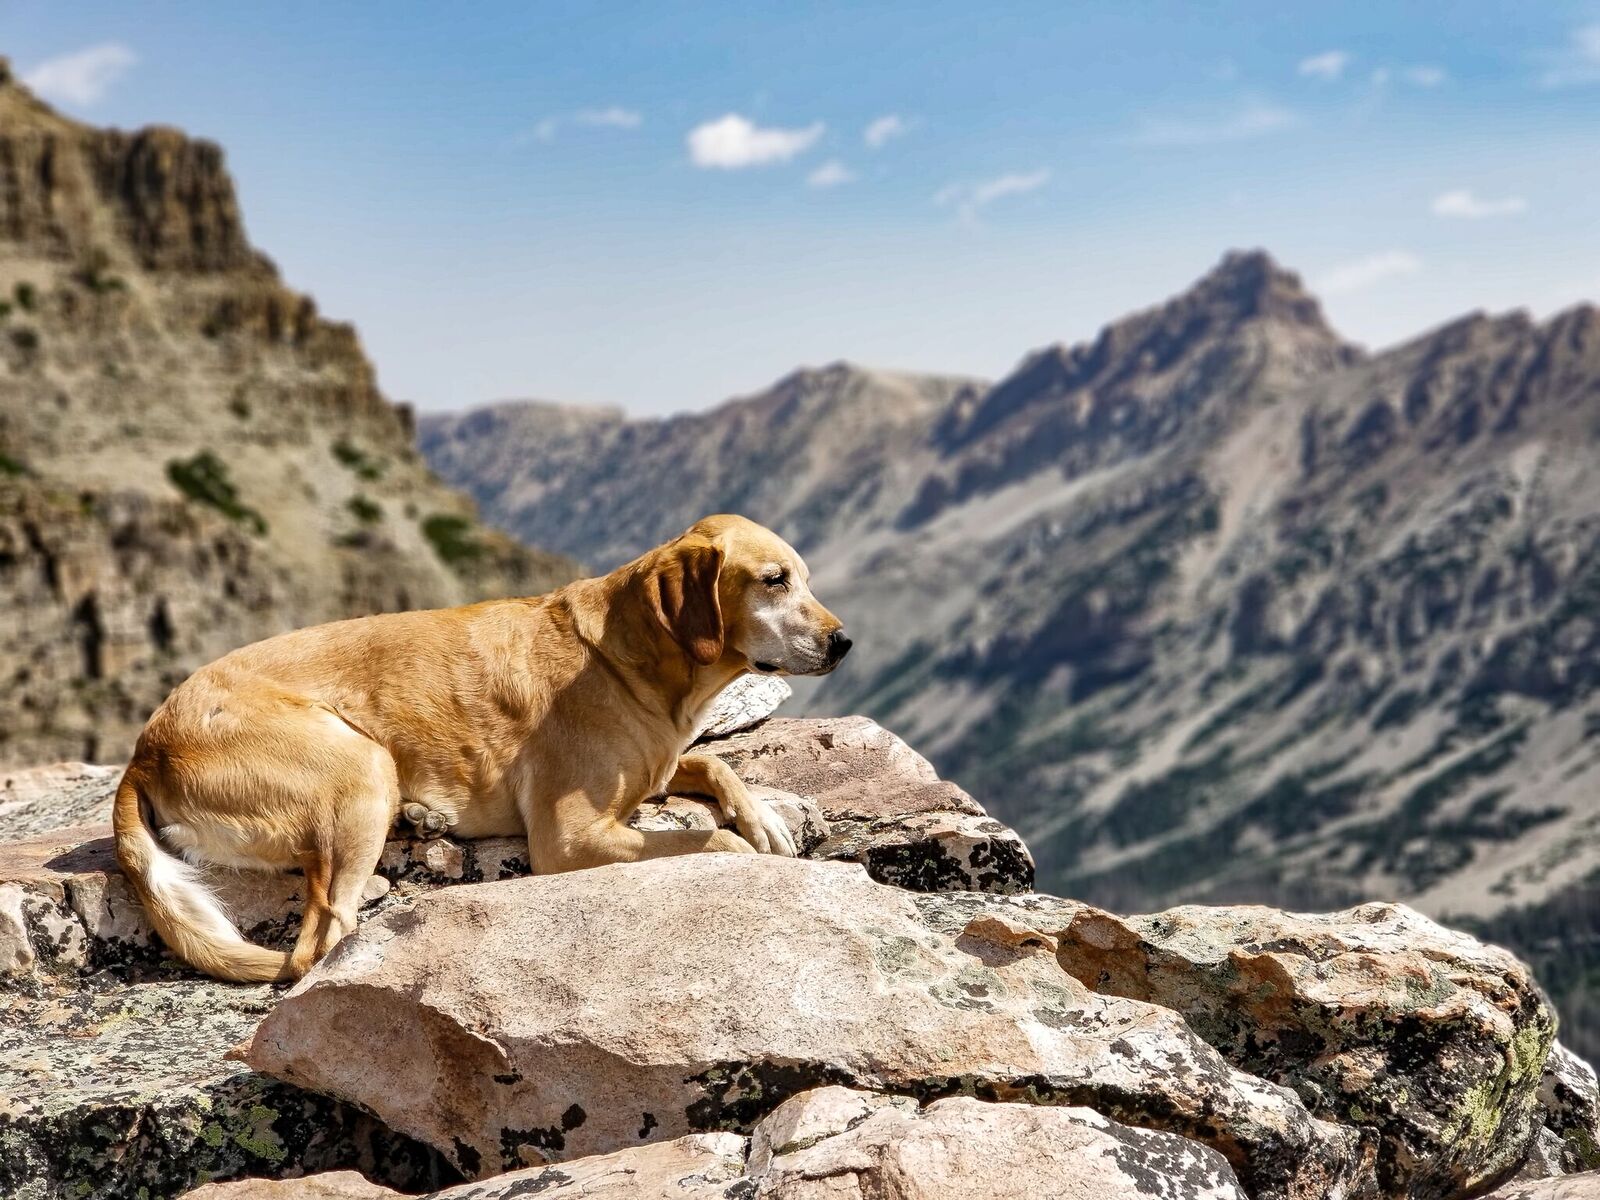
(893, 1014)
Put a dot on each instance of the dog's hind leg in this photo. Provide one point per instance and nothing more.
(360, 826)
(308, 947)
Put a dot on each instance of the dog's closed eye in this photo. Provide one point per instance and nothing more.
(776, 579)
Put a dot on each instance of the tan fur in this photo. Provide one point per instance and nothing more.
(553, 717)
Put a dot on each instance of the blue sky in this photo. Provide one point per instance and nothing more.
(659, 206)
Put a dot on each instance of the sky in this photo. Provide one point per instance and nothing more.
(659, 206)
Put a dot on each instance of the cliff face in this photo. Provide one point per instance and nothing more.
(191, 458)
(1215, 607)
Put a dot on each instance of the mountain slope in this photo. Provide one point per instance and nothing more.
(190, 457)
(1215, 607)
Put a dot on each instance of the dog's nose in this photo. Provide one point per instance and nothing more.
(838, 645)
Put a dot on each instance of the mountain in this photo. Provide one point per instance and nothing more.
(191, 458)
(1216, 607)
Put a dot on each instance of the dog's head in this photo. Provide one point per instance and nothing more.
(732, 588)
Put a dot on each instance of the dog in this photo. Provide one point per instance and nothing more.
(550, 717)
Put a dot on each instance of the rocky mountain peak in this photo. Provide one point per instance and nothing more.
(154, 197)
(1250, 285)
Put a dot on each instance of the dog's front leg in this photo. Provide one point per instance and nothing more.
(577, 832)
(707, 775)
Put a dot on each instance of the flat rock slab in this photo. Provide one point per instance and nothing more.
(1572, 1187)
(35, 800)
(1377, 1017)
(552, 1018)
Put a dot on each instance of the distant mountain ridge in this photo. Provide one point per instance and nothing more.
(1214, 607)
(191, 457)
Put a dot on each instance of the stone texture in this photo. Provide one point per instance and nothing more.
(1572, 1187)
(330, 1185)
(885, 805)
(1569, 1102)
(123, 1093)
(834, 1143)
(1376, 1017)
(37, 800)
(746, 701)
(961, 1148)
(524, 1048)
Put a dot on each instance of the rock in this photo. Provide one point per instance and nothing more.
(331, 1185)
(1377, 1017)
(833, 1143)
(961, 1148)
(38, 800)
(1569, 1102)
(804, 1120)
(746, 701)
(1572, 1187)
(705, 1165)
(123, 1092)
(885, 804)
(522, 1048)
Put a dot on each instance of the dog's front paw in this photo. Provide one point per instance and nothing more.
(768, 832)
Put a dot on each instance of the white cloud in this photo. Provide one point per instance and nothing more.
(1328, 66)
(1462, 203)
(968, 198)
(830, 174)
(882, 130)
(608, 118)
(732, 142)
(1424, 75)
(82, 77)
(1363, 273)
(1578, 64)
(593, 118)
(1252, 121)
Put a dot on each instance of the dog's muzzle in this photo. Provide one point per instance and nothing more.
(838, 647)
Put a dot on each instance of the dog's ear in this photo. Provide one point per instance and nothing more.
(683, 593)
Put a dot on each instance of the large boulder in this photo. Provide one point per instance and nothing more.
(524, 1022)
(837, 1144)
(1376, 1017)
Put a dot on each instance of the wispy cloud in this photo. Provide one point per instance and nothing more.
(1362, 273)
(1463, 203)
(1425, 75)
(732, 142)
(81, 77)
(1578, 63)
(1255, 120)
(884, 129)
(1328, 66)
(608, 118)
(968, 198)
(830, 174)
(613, 117)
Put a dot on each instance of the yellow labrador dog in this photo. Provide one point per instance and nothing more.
(552, 717)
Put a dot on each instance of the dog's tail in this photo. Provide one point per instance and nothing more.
(185, 913)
